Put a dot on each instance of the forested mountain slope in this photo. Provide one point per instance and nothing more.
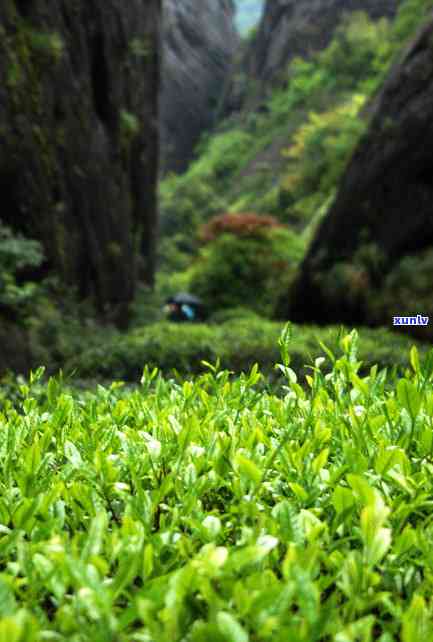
(373, 253)
(199, 43)
(79, 140)
(291, 28)
(251, 161)
(287, 157)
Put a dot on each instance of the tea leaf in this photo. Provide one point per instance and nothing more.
(230, 628)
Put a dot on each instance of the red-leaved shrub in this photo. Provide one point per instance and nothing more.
(240, 224)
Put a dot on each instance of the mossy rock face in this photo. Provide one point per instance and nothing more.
(200, 41)
(385, 194)
(69, 172)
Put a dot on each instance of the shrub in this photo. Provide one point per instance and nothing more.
(225, 153)
(318, 155)
(211, 509)
(185, 202)
(237, 342)
(60, 326)
(248, 262)
(17, 254)
(240, 224)
(305, 78)
(360, 49)
(233, 314)
(410, 16)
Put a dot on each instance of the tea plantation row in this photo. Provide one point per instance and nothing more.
(214, 511)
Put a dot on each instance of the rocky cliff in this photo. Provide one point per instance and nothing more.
(79, 137)
(290, 28)
(384, 204)
(199, 43)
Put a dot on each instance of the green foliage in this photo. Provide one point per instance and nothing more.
(48, 44)
(60, 326)
(381, 292)
(148, 305)
(231, 314)
(360, 50)
(17, 253)
(28, 52)
(191, 199)
(129, 124)
(129, 129)
(139, 47)
(237, 337)
(211, 509)
(249, 264)
(345, 281)
(305, 80)
(225, 154)
(174, 252)
(312, 115)
(318, 155)
(185, 203)
(410, 16)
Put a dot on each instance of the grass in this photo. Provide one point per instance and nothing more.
(213, 510)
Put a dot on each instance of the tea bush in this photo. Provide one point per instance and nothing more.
(214, 510)
(237, 342)
(247, 260)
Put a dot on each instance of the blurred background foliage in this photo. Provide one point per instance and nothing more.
(236, 225)
(284, 160)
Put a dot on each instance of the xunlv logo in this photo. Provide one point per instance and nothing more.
(418, 320)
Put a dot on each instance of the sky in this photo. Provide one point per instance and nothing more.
(248, 15)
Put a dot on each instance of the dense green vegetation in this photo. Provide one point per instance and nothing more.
(16, 255)
(65, 333)
(239, 480)
(214, 510)
(236, 342)
(286, 159)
